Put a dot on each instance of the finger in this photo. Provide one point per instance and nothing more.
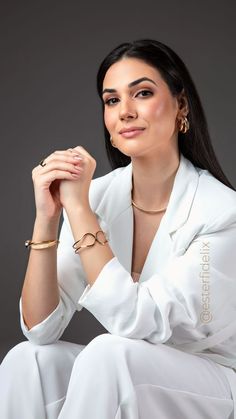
(72, 160)
(47, 178)
(69, 151)
(58, 166)
(67, 154)
(44, 161)
(87, 156)
(60, 161)
(82, 150)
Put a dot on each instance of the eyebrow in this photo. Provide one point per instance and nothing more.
(133, 83)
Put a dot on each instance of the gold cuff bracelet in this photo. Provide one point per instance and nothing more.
(101, 240)
(41, 245)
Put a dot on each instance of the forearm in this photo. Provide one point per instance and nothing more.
(83, 220)
(40, 293)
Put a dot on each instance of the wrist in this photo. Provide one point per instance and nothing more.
(79, 208)
(45, 229)
(82, 220)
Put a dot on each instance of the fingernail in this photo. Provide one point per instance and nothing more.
(77, 157)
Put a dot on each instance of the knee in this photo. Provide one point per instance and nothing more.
(107, 356)
(23, 355)
(107, 343)
(105, 349)
(112, 343)
(17, 360)
(107, 339)
(17, 352)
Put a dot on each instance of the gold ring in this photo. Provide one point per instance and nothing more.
(42, 163)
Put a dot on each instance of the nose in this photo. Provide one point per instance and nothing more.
(127, 110)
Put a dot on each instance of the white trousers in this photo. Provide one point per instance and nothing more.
(111, 378)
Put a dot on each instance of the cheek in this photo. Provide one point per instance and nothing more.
(109, 119)
(163, 112)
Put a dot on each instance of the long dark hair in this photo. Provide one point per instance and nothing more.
(196, 144)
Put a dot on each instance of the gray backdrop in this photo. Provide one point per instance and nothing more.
(50, 52)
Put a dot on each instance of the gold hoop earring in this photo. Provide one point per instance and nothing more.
(112, 142)
(183, 125)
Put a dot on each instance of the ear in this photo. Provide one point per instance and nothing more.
(183, 104)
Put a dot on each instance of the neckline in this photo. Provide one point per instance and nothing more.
(163, 218)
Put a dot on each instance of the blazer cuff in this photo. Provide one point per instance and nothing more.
(47, 331)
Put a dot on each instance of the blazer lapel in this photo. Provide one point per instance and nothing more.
(116, 214)
(176, 215)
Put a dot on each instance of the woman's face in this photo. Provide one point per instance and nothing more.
(140, 112)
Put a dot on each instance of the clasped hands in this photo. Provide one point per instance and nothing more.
(63, 181)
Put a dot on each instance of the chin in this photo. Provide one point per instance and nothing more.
(131, 149)
(130, 154)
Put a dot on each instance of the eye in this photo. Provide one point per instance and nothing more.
(111, 101)
(144, 93)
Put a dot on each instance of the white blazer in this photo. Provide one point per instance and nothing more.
(186, 294)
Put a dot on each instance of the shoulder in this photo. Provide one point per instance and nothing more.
(211, 209)
(208, 183)
(214, 201)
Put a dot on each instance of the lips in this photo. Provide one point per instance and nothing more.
(130, 129)
(131, 132)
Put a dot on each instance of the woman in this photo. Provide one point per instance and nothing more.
(147, 249)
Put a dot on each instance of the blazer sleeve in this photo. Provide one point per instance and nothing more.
(193, 297)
